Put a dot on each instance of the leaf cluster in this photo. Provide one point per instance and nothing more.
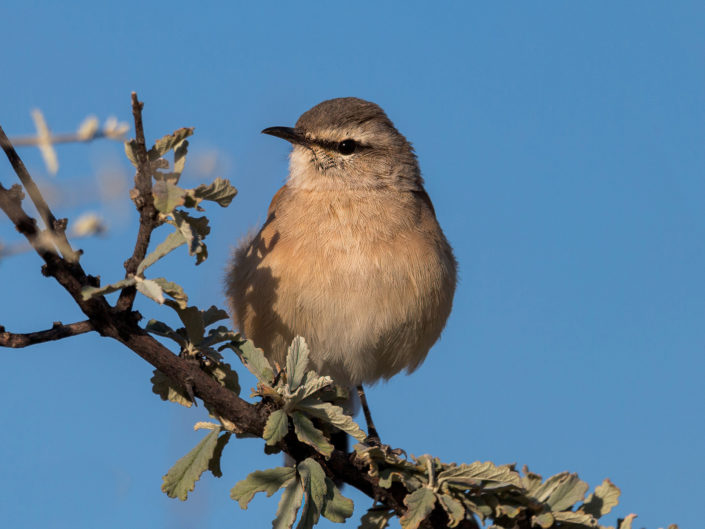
(169, 200)
(306, 486)
(299, 391)
(301, 395)
(488, 492)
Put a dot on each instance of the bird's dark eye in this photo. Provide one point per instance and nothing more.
(347, 146)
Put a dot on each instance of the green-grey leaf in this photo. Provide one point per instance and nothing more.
(464, 476)
(201, 253)
(312, 384)
(419, 505)
(151, 289)
(478, 505)
(197, 225)
(337, 508)
(219, 335)
(376, 518)
(388, 475)
(543, 492)
(276, 428)
(268, 481)
(510, 508)
(570, 491)
(602, 500)
(577, 518)
(254, 360)
(453, 508)
(213, 314)
(88, 292)
(167, 390)
(309, 434)
(220, 191)
(289, 505)
(332, 414)
(167, 196)
(182, 477)
(626, 523)
(180, 151)
(172, 289)
(214, 463)
(168, 142)
(162, 329)
(531, 481)
(194, 230)
(544, 520)
(309, 515)
(130, 151)
(172, 178)
(193, 322)
(296, 362)
(172, 241)
(313, 480)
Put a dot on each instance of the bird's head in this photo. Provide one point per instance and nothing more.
(348, 143)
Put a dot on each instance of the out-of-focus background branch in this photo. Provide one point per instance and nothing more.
(107, 186)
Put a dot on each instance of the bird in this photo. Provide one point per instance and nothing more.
(351, 255)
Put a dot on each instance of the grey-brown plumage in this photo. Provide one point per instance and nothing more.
(351, 256)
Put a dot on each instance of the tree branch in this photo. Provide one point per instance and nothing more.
(142, 196)
(56, 227)
(57, 332)
(11, 204)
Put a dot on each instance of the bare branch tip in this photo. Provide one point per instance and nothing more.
(137, 105)
(57, 332)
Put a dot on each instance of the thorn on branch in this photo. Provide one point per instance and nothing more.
(188, 383)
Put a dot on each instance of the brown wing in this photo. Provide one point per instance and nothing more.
(420, 193)
(275, 199)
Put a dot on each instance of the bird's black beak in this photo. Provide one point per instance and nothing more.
(295, 136)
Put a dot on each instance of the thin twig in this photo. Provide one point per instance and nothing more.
(58, 228)
(57, 332)
(87, 230)
(144, 201)
(68, 137)
(11, 204)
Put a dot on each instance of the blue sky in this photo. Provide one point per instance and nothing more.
(562, 145)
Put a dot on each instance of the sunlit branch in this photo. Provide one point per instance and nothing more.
(57, 332)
